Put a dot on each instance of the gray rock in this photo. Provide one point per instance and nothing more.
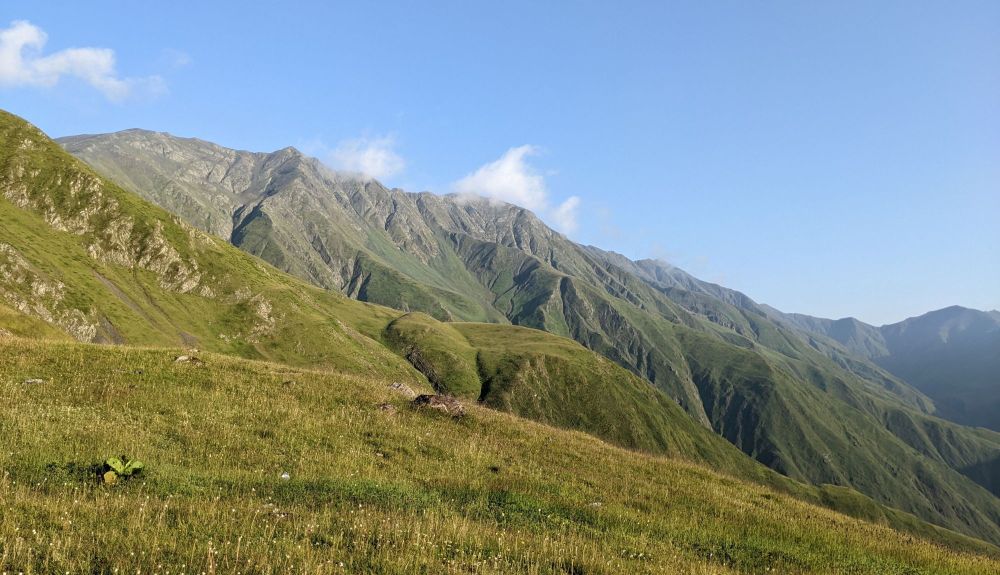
(443, 403)
(188, 359)
(403, 389)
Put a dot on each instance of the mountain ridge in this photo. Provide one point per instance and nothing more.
(952, 354)
(241, 306)
(768, 388)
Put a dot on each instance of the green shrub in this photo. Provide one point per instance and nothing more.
(120, 468)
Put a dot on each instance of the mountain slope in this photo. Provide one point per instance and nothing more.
(268, 205)
(817, 413)
(85, 258)
(102, 265)
(952, 355)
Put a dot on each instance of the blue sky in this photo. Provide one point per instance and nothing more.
(838, 159)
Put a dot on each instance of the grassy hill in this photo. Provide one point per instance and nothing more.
(374, 485)
(82, 258)
(82, 255)
(818, 413)
(557, 381)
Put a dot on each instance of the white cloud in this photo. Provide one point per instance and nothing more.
(513, 180)
(22, 64)
(371, 157)
(510, 179)
(565, 215)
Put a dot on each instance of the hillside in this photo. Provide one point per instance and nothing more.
(123, 271)
(557, 381)
(819, 414)
(374, 486)
(60, 277)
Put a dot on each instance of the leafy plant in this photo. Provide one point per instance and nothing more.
(121, 468)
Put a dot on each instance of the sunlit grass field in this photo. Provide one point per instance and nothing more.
(372, 488)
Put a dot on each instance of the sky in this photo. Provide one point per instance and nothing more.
(836, 159)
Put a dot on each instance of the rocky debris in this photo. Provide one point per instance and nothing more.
(188, 359)
(403, 389)
(387, 408)
(34, 381)
(443, 403)
(264, 324)
(33, 293)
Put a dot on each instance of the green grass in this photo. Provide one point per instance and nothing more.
(88, 252)
(439, 351)
(556, 381)
(122, 265)
(371, 491)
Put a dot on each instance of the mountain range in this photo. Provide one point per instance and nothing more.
(952, 355)
(478, 299)
(824, 414)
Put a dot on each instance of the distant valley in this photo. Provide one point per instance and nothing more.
(952, 355)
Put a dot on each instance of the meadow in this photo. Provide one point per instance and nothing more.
(374, 486)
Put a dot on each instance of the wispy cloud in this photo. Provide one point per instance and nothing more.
(565, 215)
(513, 180)
(369, 157)
(22, 64)
(175, 58)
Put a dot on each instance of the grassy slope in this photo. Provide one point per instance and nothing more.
(13, 323)
(76, 243)
(556, 381)
(645, 321)
(371, 490)
(156, 282)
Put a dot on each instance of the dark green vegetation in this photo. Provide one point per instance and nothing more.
(371, 489)
(952, 355)
(816, 412)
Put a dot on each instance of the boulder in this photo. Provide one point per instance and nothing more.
(443, 403)
(188, 359)
(403, 389)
